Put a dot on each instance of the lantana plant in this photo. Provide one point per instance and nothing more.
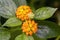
(23, 23)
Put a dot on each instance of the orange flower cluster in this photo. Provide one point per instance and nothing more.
(29, 27)
(25, 13)
(22, 12)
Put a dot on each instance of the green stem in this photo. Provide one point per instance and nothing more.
(32, 5)
(58, 17)
(58, 37)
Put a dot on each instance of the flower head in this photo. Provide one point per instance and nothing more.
(29, 27)
(23, 12)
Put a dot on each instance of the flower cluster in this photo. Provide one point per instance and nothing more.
(29, 26)
(22, 12)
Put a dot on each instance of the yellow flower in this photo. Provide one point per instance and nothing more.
(23, 12)
(29, 27)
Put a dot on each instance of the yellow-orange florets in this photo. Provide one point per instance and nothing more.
(29, 27)
(22, 12)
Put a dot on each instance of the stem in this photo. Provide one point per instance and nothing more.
(58, 17)
(32, 5)
(58, 37)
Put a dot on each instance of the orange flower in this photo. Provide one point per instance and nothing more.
(23, 12)
(29, 27)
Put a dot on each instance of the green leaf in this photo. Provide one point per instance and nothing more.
(38, 38)
(44, 13)
(7, 8)
(12, 29)
(4, 35)
(12, 22)
(20, 2)
(15, 33)
(24, 37)
(48, 29)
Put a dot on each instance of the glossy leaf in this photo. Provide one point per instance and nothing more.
(44, 31)
(48, 29)
(38, 38)
(12, 22)
(24, 37)
(44, 13)
(4, 34)
(15, 33)
(20, 2)
(7, 8)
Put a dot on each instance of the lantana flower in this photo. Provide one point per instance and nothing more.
(29, 27)
(24, 12)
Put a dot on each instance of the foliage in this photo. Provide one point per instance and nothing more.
(11, 29)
